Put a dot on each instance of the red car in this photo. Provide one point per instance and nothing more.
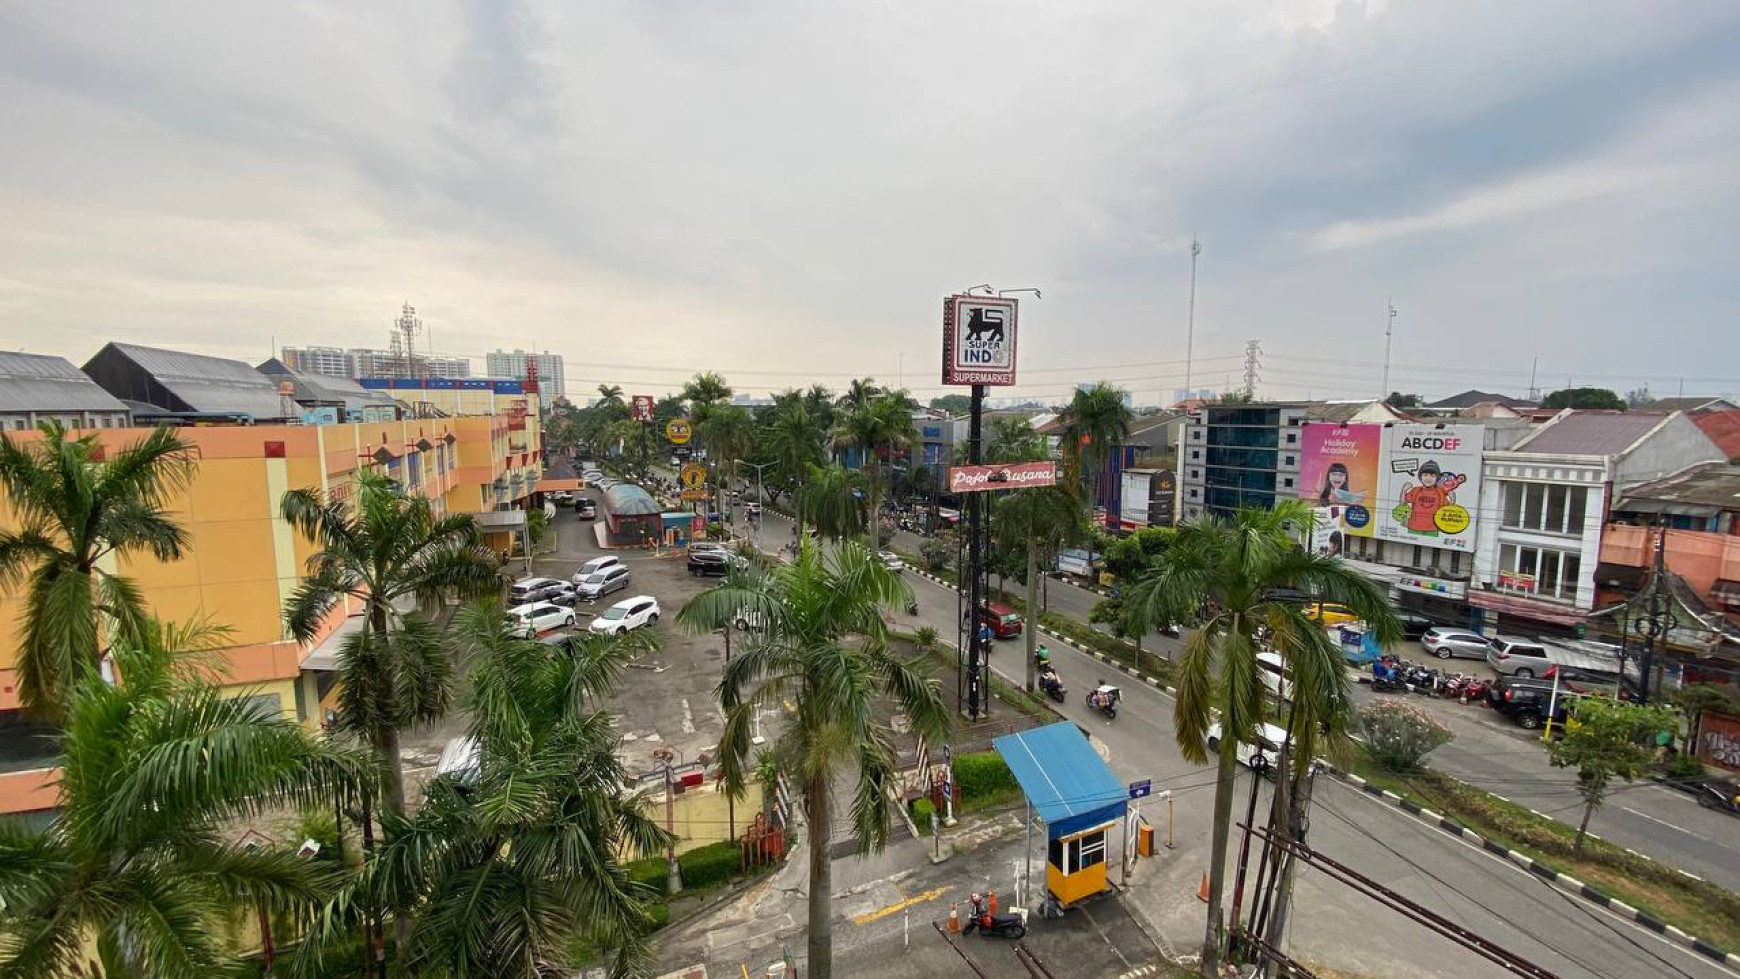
(1004, 622)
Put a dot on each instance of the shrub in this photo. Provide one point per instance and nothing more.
(983, 773)
(650, 871)
(922, 810)
(711, 864)
(1685, 768)
(938, 555)
(1398, 734)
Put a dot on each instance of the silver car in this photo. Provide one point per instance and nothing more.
(1445, 642)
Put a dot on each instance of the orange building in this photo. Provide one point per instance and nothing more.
(243, 561)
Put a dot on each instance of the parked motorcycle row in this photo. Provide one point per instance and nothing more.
(1392, 675)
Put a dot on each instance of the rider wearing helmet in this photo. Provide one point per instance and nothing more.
(1042, 656)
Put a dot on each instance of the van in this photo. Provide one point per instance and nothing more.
(1275, 675)
(1003, 621)
(1524, 658)
(594, 566)
(1248, 754)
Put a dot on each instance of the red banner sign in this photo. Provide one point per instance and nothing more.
(1718, 740)
(1016, 475)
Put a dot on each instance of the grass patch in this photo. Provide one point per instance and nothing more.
(1697, 907)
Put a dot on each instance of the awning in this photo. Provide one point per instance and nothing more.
(1621, 576)
(550, 484)
(323, 658)
(496, 521)
(1064, 779)
(1725, 591)
(1527, 608)
(1669, 507)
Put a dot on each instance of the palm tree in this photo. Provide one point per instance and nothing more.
(822, 646)
(704, 392)
(1014, 440)
(883, 424)
(76, 508)
(504, 867)
(794, 442)
(729, 435)
(1234, 579)
(820, 403)
(1032, 520)
(609, 394)
(831, 500)
(1095, 421)
(392, 671)
(157, 771)
(859, 393)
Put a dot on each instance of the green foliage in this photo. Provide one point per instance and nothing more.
(1398, 734)
(922, 811)
(938, 554)
(1696, 698)
(1584, 398)
(1604, 740)
(650, 872)
(983, 773)
(1130, 556)
(1685, 768)
(75, 509)
(715, 863)
(954, 404)
(1399, 400)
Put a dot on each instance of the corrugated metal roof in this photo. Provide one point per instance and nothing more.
(628, 500)
(325, 389)
(209, 384)
(33, 382)
(1713, 485)
(1591, 433)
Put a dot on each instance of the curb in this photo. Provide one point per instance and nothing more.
(1128, 671)
(1563, 882)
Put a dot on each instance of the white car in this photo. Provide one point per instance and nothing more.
(626, 616)
(528, 590)
(891, 561)
(752, 509)
(537, 617)
(594, 566)
(1247, 754)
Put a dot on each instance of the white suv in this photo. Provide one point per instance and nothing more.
(626, 616)
(537, 617)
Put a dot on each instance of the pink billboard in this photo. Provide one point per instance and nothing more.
(1338, 468)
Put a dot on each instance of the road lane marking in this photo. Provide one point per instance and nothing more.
(1669, 825)
(899, 906)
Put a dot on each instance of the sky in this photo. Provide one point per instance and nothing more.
(785, 191)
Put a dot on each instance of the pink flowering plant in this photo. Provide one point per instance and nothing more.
(1398, 734)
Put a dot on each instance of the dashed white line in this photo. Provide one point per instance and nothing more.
(1669, 825)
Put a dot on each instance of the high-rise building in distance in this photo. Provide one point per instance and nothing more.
(511, 366)
(361, 362)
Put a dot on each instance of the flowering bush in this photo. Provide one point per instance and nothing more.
(1398, 734)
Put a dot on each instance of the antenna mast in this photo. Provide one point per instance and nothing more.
(1190, 321)
(405, 330)
(1389, 332)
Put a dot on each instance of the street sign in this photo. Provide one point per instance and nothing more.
(1019, 475)
(979, 340)
(1141, 789)
(679, 431)
(691, 495)
(641, 408)
(697, 525)
(693, 475)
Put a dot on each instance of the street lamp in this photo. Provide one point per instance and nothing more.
(760, 496)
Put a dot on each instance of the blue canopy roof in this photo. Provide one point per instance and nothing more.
(1063, 777)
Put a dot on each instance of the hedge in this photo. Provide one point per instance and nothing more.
(712, 864)
(983, 773)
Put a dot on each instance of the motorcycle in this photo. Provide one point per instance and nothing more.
(1009, 924)
(1052, 685)
(1476, 689)
(912, 607)
(1104, 698)
(1385, 678)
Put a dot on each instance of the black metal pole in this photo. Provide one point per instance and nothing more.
(976, 700)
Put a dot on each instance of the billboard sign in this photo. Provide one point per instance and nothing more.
(1338, 470)
(679, 431)
(1017, 475)
(1719, 740)
(1430, 485)
(979, 340)
(640, 409)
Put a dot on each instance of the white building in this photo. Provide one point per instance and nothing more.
(511, 366)
(360, 362)
(327, 361)
(1544, 503)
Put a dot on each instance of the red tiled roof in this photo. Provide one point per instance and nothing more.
(1723, 428)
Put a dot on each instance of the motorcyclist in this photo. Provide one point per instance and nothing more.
(1042, 656)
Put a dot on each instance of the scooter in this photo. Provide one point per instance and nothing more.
(1104, 698)
(1009, 924)
(1384, 678)
(1052, 685)
(912, 606)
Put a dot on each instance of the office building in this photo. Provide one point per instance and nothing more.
(327, 361)
(360, 362)
(511, 366)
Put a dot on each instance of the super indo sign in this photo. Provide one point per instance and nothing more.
(1430, 484)
(979, 340)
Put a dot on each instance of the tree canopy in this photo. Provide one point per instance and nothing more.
(1584, 398)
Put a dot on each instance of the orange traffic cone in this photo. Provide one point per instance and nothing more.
(993, 901)
(955, 917)
(1202, 892)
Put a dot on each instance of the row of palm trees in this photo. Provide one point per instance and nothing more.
(137, 873)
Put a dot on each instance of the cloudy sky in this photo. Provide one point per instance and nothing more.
(784, 191)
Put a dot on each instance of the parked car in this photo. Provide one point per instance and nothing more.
(598, 584)
(1720, 794)
(891, 561)
(1583, 679)
(1330, 613)
(1415, 626)
(1247, 754)
(1004, 621)
(706, 547)
(716, 564)
(592, 475)
(594, 566)
(1524, 658)
(538, 617)
(586, 510)
(565, 593)
(752, 509)
(1528, 701)
(527, 590)
(563, 497)
(1445, 642)
(626, 616)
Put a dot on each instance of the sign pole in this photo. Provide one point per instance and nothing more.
(977, 703)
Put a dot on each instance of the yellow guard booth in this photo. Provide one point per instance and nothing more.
(1076, 796)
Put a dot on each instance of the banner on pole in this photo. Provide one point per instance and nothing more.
(1017, 475)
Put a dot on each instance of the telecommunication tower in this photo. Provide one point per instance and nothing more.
(405, 330)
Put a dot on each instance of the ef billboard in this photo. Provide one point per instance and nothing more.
(1338, 470)
(1431, 484)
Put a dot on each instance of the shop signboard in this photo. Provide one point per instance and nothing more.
(979, 340)
(1430, 485)
(1338, 471)
(1016, 475)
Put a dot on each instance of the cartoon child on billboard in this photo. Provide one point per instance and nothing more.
(1421, 504)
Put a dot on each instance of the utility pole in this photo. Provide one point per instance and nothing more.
(1190, 321)
(674, 871)
(1534, 392)
(1389, 334)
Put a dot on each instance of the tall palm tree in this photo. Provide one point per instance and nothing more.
(1034, 520)
(704, 392)
(1094, 423)
(883, 424)
(1234, 579)
(1014, 440)
(610, 394)
(859, 393)
(729, 435)
(387, 547)
(77, 506)
(820, 403)
(157, 771)
(501, 869)
(831, 500)
(822, 646)
(794, 442)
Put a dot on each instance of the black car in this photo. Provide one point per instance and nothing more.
(1721, 794)
(1414, 627)
(715, 564)
(1526, 701)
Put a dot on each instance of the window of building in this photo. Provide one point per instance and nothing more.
(1549, 508)
(1455, 562)
(1290, 460)
(1419, 556)
(1537, 571)
(1292, 438)
(1196, 474)
(1287, 482)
